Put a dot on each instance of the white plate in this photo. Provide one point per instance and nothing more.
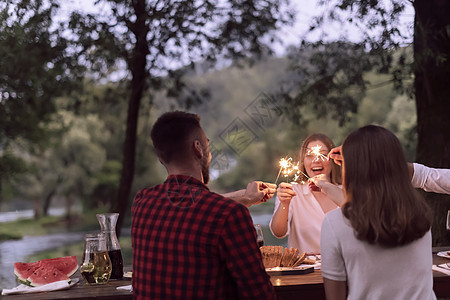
(444, 254)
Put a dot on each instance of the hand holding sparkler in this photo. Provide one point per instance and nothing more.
(269, 189)
(315, 183)
(257, 192)
(285, 193)
(320, 183)
(336, 155)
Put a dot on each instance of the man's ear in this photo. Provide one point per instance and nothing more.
(198, 149)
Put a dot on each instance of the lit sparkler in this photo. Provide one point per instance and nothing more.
(316, 152)
(284, 165)
(287, 167)
(298, 173)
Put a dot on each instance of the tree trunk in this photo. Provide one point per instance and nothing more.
(137, 66)
(36, 208)
(47, 202)
(432, 88)
(1, 190)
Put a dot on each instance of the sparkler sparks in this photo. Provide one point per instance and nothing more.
(287, 167)
(316, 152)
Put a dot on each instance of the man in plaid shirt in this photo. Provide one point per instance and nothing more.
(188, 242)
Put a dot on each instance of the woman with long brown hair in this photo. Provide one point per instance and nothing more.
(299, 209)
(378, 245)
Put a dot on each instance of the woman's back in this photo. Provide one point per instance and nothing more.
(378, 245)
(373, 271)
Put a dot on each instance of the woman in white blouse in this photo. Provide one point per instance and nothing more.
(299, 208)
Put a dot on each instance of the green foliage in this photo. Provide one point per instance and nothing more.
(11, 165)
(35, 69)
(67, 169)
(107, 181)
(326, 79)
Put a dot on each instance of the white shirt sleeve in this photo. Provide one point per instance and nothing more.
(430, 179)
(333, 265)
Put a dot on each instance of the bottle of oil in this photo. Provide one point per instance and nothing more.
(108, 228)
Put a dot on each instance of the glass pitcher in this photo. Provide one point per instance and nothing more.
(95, 265)
(108, 228)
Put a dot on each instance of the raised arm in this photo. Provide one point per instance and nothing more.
(431, 179)
(279, 222)
(256, 193)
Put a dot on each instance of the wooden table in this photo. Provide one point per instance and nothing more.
(307, 286)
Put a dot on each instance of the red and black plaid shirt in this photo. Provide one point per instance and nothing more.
(190, 243)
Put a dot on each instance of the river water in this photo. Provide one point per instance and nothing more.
(19, 250)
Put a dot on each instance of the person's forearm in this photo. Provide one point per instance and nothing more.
(335, 290)
(239, 196)
(411, 171)
(279, 224)
(431, 179)
(334, 192)
(234, 195)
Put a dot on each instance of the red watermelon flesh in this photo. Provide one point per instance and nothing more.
(65, 265)
(45, 275)
(24, 270)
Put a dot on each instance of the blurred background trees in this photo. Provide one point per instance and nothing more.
(74, 92)
(158, 39)
(35, 69)
(334, 81)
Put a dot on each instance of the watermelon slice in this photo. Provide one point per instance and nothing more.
(67, 265)
(46, 275)
(46, 270)
(24, 270)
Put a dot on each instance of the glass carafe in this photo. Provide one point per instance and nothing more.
(96, 265)
(108, 227)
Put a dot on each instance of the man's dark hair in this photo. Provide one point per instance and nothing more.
(171, 133)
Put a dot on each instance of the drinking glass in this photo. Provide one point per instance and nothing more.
(448, 220)
(259, 235)
(96, 264)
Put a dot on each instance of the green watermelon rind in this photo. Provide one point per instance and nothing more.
(25, 282)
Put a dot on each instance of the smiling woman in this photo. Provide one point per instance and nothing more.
(299, 211)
